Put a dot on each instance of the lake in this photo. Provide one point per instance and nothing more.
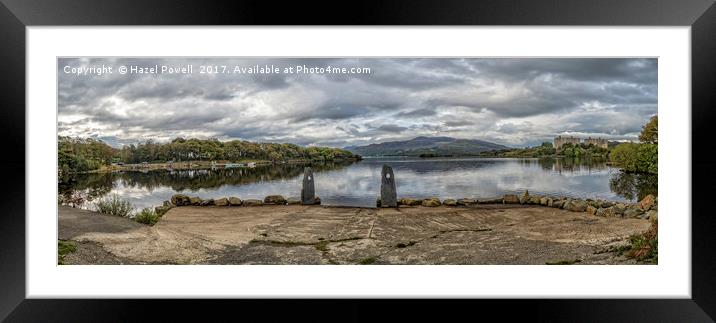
(358, 183)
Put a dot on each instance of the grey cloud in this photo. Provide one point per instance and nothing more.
(514, 101)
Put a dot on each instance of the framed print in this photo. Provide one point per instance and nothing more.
(495, 151)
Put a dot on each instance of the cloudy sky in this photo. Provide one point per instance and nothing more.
(512, 101)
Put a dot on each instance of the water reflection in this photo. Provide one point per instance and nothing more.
(358, 184)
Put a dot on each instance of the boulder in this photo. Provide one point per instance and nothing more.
(221, 202)
(195, 200)
(575, 205)
(619, 209)
(160, 210)
(293, 200)
(409, 202)
(606, 204)
(511, 199)
(252, 202)
(593, 203)
(180, 200)
(647, 202)
(167, 203)
(494, 200)
(591, 210)
(525, 197)
(377, 202)
(607, 212)
(466, 201)
(653, 216)
(534, 199)
(316, 200)
(431, 202)
(633, 211)
(234, 201)
(207, 202)
(275, 199)
(543, 201)
(649, 215)
(558, 204)
(550, 201)
(450, 202)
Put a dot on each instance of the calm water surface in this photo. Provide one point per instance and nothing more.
(358, 184)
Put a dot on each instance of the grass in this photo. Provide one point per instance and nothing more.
(563, 262)
(114, 205)
(644, 246)
(367, 261)
(64, 248)
(147, 216)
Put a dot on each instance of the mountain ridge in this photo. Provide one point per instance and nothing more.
(426, 146)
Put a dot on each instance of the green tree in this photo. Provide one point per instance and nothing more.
(650, 132)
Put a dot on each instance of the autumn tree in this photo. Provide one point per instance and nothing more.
(649, 133)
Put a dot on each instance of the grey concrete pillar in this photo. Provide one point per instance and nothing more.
(308, 191)
(388, 195)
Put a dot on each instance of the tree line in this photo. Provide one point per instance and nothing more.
(86, 154)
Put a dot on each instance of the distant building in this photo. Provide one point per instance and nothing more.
(560, 141)
(599, 142)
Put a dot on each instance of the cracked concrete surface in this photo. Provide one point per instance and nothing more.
(297, 234)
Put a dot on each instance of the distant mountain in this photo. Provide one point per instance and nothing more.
(426, 146)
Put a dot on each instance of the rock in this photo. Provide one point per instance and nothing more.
(607, 212)
(593, 203)
(160, 210)
(535, 200)
(409, 201)
(377, 202)
(649, 215)
(293, 200)
(466, 201)
(275, 199)
(575, 205)
(619, 209)
(252, 202)
(221, 202)
(308, 190)
(606, 204)
(494, 200)
(207, 202)
(167, 203)
(431, 202)
(558, 204)
(543, 201)
(388, 194)
(450, 202)
(550, 202)
(647, 202)
(180, 200)
(317, 200)
(525, 197)
(511, 199)
(234, 201)
(591, 210)
(654, 216)
(633, 211)
(195, 200)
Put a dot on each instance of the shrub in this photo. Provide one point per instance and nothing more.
(147, 216)
(637, 158)
(645, 246)
(114, 205)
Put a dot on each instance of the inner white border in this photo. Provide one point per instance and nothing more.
(671, 278)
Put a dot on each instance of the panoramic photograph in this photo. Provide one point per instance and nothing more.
(357, 161)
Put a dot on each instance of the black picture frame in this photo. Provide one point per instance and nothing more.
(15, 15)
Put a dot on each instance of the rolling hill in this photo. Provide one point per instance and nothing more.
(426, 146)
